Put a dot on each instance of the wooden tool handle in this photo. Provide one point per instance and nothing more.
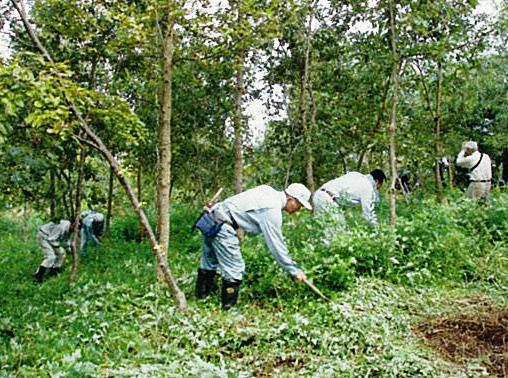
(316, 290)
(213, 200)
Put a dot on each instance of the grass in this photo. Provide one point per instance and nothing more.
(116, 321)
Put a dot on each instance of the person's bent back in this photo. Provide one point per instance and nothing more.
(256, 211)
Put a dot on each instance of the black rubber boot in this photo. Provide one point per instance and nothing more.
(39, 275)
(54, 271)
(205, 284)
(230, 290)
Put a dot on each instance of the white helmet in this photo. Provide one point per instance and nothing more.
(65, 224)
(471, 145)
(300, 193)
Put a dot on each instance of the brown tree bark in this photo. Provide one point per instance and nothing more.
(96, 142)
(164, 168)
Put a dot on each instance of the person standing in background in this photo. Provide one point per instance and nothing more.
(480, 170)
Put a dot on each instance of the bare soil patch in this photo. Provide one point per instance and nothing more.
(480, 331)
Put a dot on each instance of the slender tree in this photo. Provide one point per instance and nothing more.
(392, 126)
(109, 215)
(164, 174)
(238, 119)
(94, 141)
(75, 221)
(305, 89)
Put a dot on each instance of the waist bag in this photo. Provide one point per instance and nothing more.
(208, 225)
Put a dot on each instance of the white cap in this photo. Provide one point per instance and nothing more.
(300, 193)
(65, 224)
(470, 144)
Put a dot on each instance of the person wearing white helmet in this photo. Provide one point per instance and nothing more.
(51, 237)
(256, 211)
(91, 229)
(480, 170)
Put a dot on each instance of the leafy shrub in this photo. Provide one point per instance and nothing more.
(126, 227)
(432, 244)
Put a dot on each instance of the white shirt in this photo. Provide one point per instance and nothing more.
(355, 188)
(259, 211)
(482, 172)
(56, 233)
(93, 217)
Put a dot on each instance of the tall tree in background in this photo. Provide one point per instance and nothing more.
(238, 120)
(306, 92)
(75, 221)
(392, 126)
(164, 167)
(447, 36)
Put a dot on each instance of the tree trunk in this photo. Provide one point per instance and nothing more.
(238, 118)
(343, 161)
(97, 143)
(304, 88)
(292, 144)
(238, 121)
(75, 221)
(311, 184)
(139, 188)
(110, 202)
(68, 207)
(450, 175)
(164, 169)
(437, 133)
(436, 118)
(69, 193)
(392, 127)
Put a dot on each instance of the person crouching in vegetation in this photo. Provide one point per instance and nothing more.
(51, 237)
(256, 211)
(480, 170)
(351, 189)
(92, 227)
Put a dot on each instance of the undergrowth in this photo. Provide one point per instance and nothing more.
(115, 321)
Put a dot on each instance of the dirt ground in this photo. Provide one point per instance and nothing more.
(479, 331)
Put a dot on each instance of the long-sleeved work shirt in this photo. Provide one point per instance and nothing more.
(56, 233)
(481, 173)
(96, 218)
(259, 211)
(355, 188)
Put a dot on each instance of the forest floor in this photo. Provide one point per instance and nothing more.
(116, 321)
(480, 331)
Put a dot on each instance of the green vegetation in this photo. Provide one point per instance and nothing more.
(384, 286)
(146, 107)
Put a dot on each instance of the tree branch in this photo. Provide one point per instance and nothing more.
(115, 166)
